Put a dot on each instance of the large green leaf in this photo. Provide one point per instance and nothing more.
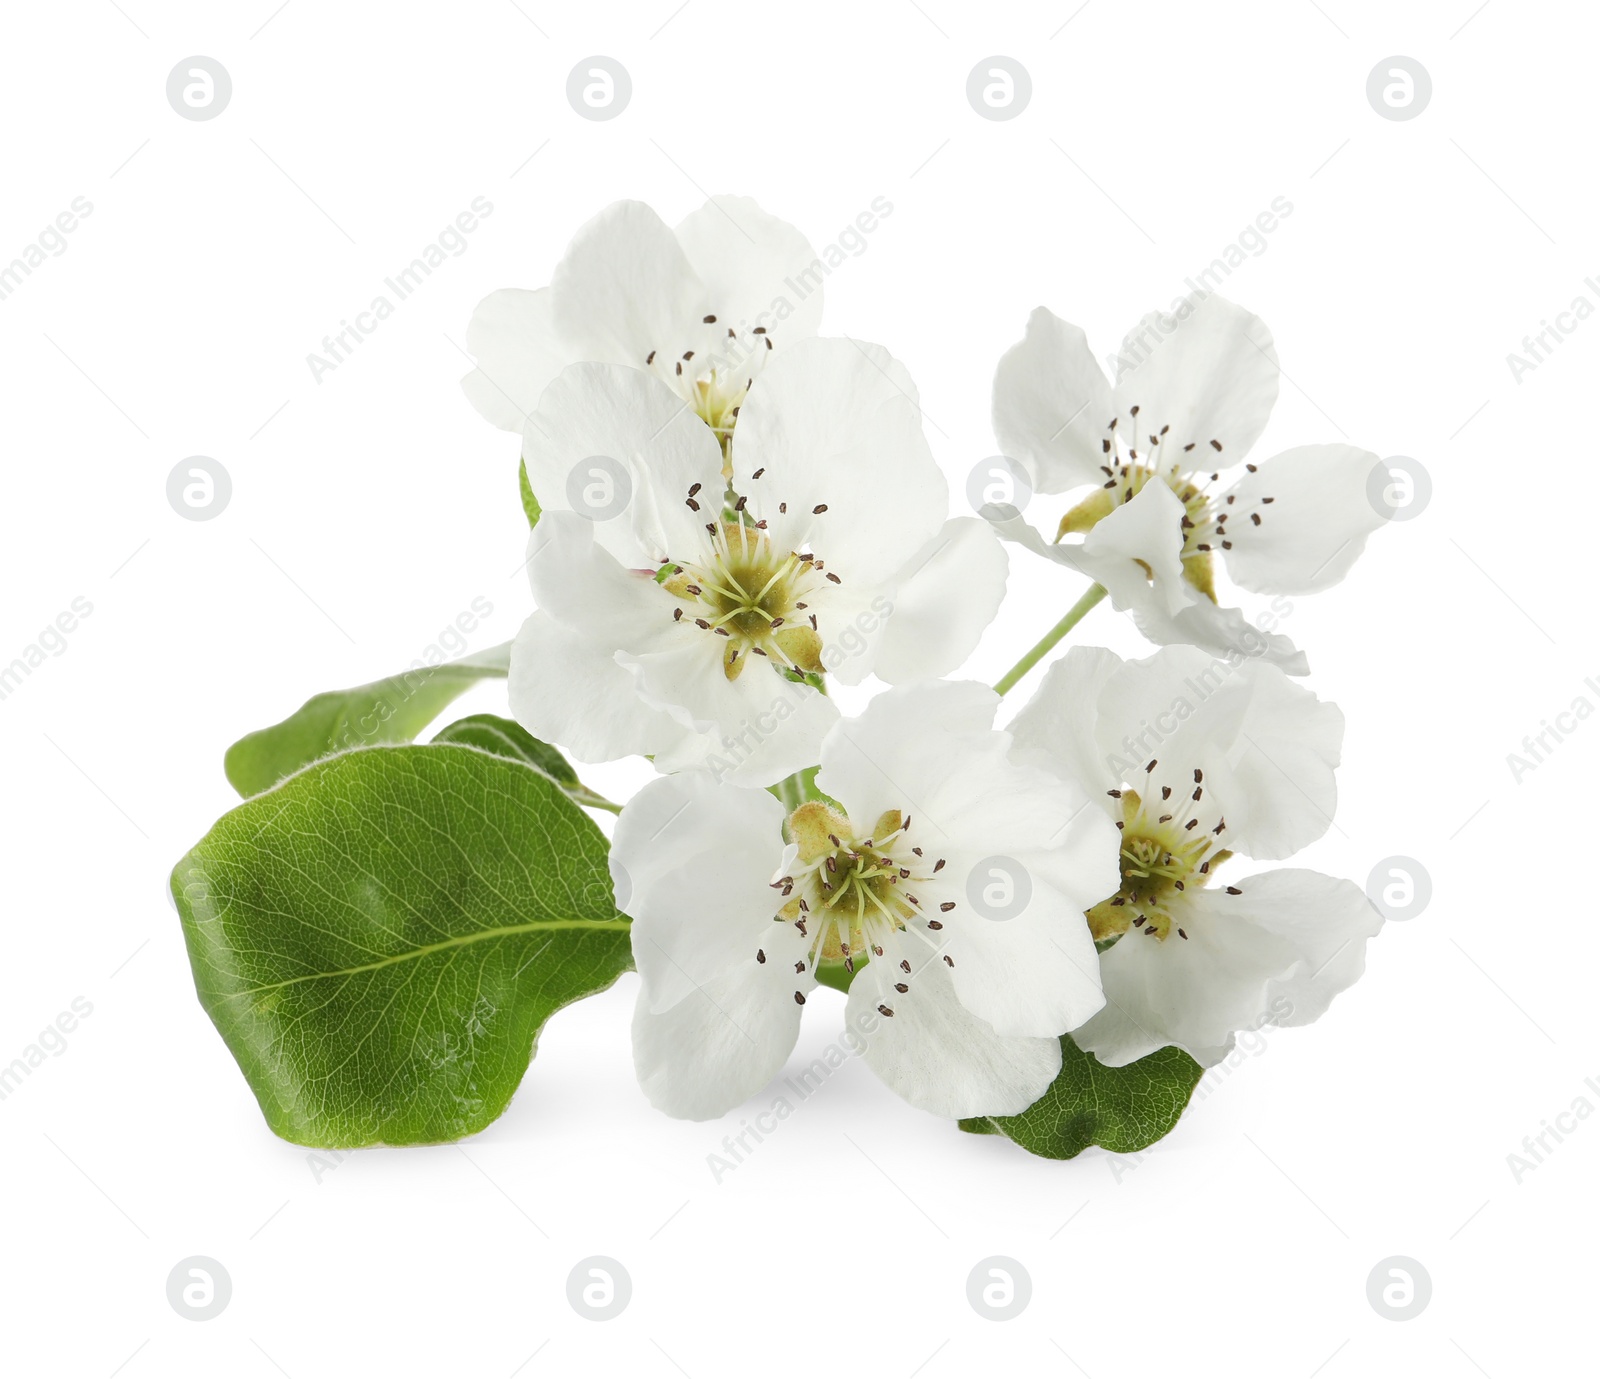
(380, 939)
(1120, 1109)
(375, 715)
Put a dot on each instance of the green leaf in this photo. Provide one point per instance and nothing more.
(503, 737)
(376, 715)
(530, 504)
(1119, 1109)
(380, 939)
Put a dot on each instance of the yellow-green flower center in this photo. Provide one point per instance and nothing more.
(715, 384)
(848, 894)
(750, 594)
(1167, 851)
(1205, 518)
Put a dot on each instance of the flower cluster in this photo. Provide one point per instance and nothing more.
(735, 516)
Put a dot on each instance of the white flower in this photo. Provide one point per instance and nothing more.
(1193, 394)
(692, 622)
(956, 1011)
(700, 307)
(1197, 759)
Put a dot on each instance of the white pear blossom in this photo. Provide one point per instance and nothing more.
(959, 1005)
(701, 308)
(1197, 759)
(1163, 448)
(695, 619)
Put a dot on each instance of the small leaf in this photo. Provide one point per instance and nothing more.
(381, 938)
(1120, 1109)
(376, 715)
(530, 504)
(503, 737)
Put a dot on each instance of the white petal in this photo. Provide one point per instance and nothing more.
(793, 745)
(1052, 405)
(764, 751)
(853, 621)
(718, 1046)
(1136, 551)
(1266, 747)
(564, 687)
(1210, 376)
(918, 749)
(687, 679)
(514, 339)
(661, 827)
(943, 602)
(580, 583)
(1081, 857)
(696, 860)
(717, 1014)
(929, 752)
(1168, 610)
(1315, 525)
(933, 1051)
(1056, 730)
(754, 730)
(1328, 921)
(625, 288)
(1219, 631)
(1035, 973)
(1281, 770)
(835, 424)
(626, 416)
(1276, 954)
(1019, 531)
(748, 260)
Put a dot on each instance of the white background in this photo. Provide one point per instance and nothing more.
(370, 509)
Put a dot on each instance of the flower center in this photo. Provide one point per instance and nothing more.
(1167, 850)
(749, 593)
(1204, 522)
(849, 895)
(714, 383)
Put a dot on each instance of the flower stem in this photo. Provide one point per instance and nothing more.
(581, 794)
(1095, 593)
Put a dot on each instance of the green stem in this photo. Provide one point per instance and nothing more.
(581, 794)
(1046, 643)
